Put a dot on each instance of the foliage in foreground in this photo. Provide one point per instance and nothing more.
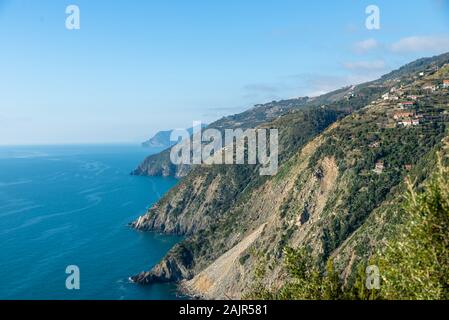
(416, 264)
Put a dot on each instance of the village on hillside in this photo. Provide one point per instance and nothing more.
(417, 102)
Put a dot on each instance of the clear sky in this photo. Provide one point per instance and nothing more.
(136, 67)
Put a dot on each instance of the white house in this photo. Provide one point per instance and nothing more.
(445, 83)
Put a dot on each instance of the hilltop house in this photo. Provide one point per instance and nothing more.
(445, 83)
(409, 122)
(388, 96)
(407, 104)
(375, 144)
(380, 166)
(407, 118)
(429, 87)
(403, 114)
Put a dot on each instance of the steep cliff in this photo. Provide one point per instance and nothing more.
(343, 161)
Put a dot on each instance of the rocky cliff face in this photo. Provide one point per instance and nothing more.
(208, 192)
(342, 169)
(176, 266)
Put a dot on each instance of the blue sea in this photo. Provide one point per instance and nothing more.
(70, 205)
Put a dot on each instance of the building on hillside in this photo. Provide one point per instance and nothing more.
(375, 144)
(409, 122)
(445, 83)
(349, 96)
(380, 166)
(408, 104)
(393, 90)
(429, 87)
(403, 114)
(405, 123)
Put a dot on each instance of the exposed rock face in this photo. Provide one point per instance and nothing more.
(208, 192)
(325, 195)
(218, 278)
(197, 200)
(174, 267)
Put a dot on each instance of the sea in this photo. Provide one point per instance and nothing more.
(65, 206)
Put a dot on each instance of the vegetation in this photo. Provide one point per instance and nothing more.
(414, 265)
(337, 195)
(351, 144)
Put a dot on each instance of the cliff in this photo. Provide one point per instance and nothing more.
(343, 160)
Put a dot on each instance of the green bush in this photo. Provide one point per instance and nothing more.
(415, 264)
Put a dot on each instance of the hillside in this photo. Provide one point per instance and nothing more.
(161, 140)
(160, 164)
(343, 157)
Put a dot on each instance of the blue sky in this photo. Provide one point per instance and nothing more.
(136, 67)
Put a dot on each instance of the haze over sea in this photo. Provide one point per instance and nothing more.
(70, 205)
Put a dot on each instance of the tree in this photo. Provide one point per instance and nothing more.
(415, 264)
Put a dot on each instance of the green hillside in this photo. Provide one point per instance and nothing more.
(334, 203)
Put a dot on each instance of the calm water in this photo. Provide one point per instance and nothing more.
(63, 206)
